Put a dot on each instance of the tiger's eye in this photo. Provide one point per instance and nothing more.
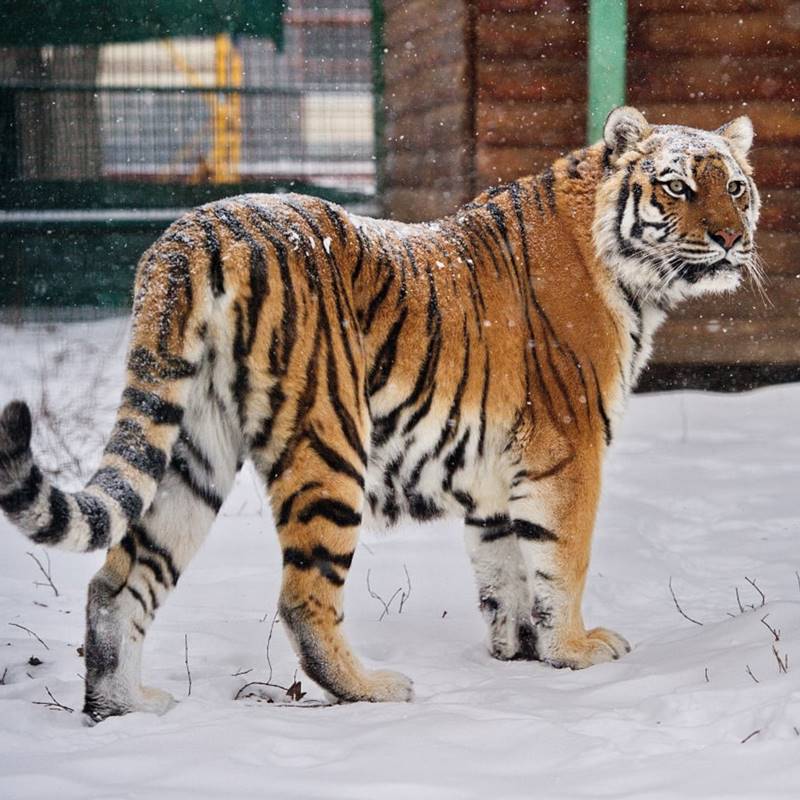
(677, 187)
(736, 188)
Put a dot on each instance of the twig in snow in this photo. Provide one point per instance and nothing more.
(3, 677)
(268, 682)
(750, 673)
(405, 595)
(31, 633)
(773, 631)
(750, 736)
(45, 572)
(186, 661)
(752, 582)
(241, 672)
(374, 594)
(53, 703)
(269, 642)
(797, 575)
(708, 680)
(783, 663)
(739, 601)
(677, 605)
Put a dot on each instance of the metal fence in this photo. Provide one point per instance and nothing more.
(102, 145)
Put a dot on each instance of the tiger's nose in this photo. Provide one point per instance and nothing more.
(727, 237)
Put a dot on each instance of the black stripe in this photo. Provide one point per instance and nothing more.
(341, 409)
(150, 367)
(376, 303)
(455, 461)
(162, 412)
(144, 541)
(129, 443)
(493, 528)
(115, 486)
(96, 515)
(548, 180)
(292, 556)
(386, 356)
(532, 532)
(325, 561)
(138, 597)
(216, 274)
(24, 497)
(340, 514)
(602, 408)
(336, 221)
(285, 512)
(194, 449)
(335, 461)
(55, 531)
(181, 467)
(266, 225)
(484, 399)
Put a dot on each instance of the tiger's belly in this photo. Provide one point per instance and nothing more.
(434, 467)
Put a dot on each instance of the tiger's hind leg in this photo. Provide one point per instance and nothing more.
(317, 505)
(139, 573)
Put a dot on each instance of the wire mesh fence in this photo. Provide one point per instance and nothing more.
(96, 138)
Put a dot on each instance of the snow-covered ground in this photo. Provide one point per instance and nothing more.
(700, 489)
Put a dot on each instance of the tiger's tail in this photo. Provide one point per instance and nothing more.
(166, 345)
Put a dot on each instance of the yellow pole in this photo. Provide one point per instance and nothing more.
(226, 112)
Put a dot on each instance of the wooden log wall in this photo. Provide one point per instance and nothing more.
(483, 91)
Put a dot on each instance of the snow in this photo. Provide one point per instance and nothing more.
(699, 489)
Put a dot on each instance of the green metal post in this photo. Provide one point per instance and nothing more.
(607, 51)
(379, 110)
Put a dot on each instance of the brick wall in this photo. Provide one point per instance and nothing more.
(483, 91)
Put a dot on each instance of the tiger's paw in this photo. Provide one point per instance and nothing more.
(98, 707)
(380, 686)
(596, 646)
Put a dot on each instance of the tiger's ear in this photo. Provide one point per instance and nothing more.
(739, 133)
(625, 126)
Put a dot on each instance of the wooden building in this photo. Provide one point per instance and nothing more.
(483, 91)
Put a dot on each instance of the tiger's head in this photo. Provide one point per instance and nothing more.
(677, 207)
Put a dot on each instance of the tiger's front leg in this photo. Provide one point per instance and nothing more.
(552, 522)
(503, 591)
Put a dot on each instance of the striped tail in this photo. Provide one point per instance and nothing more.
(166, 343)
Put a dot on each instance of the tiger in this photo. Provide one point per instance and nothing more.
(474, 367)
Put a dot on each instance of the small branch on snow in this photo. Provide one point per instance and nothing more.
(186, 661)
(783, 663)
(750, 673)
(677, 605)
(752, 582)
(374, 594)
(291, 691)
(30, 633)
(739, 601)
(773, 631)
(750, 736)
(241, 672)
(52, 703)
(3, 677)
(45, 572)
(708, 680)
(406, 594)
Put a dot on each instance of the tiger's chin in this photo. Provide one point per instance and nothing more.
(719, 277)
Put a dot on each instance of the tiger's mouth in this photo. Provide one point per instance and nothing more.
(693, 272)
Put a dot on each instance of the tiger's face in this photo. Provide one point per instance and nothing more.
(677, 208)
